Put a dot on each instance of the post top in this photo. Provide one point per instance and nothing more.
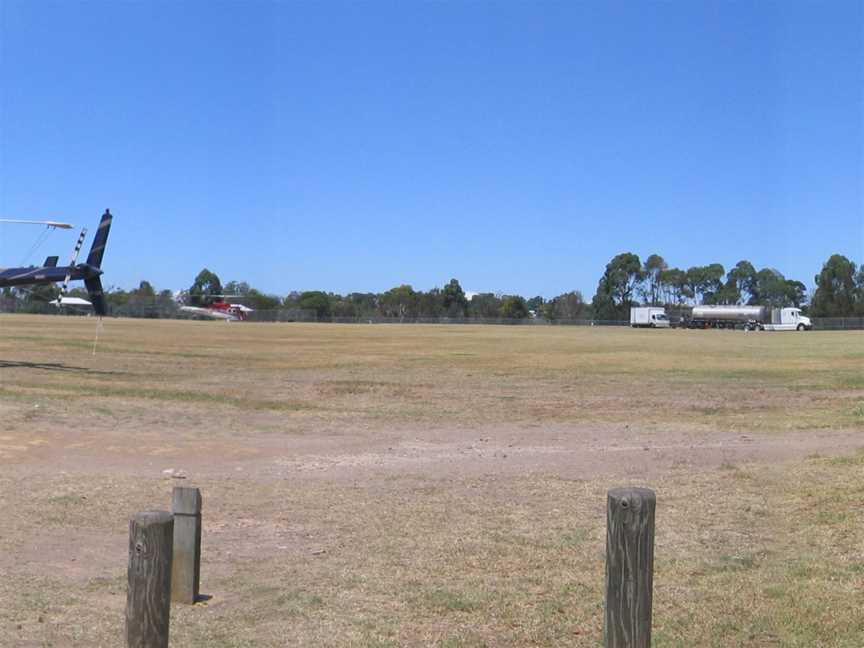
(146, 518)
(186, 500)
(632, 491)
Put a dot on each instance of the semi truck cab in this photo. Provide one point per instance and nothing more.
(788, 319)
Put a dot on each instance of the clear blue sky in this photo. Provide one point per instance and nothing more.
(354, 146)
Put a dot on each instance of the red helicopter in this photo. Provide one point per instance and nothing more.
(219, 309)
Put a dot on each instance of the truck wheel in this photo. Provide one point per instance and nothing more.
(800, 327)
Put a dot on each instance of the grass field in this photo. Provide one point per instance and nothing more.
(432, 485)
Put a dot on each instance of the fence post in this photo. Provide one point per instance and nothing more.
(148, 599)
(629, 567)
(186, 566)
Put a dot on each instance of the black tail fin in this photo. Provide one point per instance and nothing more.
(98, 248)
(97, 297)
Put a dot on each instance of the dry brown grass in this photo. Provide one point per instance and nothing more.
(364, 554)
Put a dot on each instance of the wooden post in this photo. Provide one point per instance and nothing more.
(148, 599)
(629, 567)
(186, 567)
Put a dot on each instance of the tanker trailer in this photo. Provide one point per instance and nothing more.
(750, 317)
(729, 316)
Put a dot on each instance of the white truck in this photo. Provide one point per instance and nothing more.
(648, 317)
(787, 319)
(749, 317)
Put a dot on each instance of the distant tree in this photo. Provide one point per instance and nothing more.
(145, 289)
(400, 302)
(165, 303)
(796, 293)
(36, 299)
(674, 284)
(859, 291)
(429, 304)
(740, 283)
(365, 304)
(240, 288)
(513, 307)
(259, 301)
(343, 307)
(535, 304)
(771, 289)
(616, 287)
(454, 302)
(205, 288)
(653, 270)
(836, 290)
(705, 282)
(568, 306)
(140, 302)
(315, 300)
(485, 306)
(292, 300)
(116, 299)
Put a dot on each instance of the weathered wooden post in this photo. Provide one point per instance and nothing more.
(148, 599)
(629, 567)
(186, 568)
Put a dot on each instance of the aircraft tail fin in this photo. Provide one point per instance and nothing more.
(97, 296)
(51, 262)
(94, 259)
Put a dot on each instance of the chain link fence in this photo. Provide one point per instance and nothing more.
(838, 323)
(170, 311)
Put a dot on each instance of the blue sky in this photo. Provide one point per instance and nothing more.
(356, 146)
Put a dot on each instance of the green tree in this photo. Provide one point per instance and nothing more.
(205, 288)
(454, 301)
(796, 293)
(859, 291)
(365, 304)
(429, 304)
(145, 289)
(675, 287)
(485, 306)
(705, 282)
(569, 306)
(238, 288)
(652, 271)
(513, 307)
(400, 302)
(259, 301)
(836, 289)
(344, 307)
(37, 299)
(770, 289)
(740, 282)
(616, 287)
(315, 300)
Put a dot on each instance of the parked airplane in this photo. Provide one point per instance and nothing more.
(89, 272)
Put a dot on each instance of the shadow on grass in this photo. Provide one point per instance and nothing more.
(55, 366)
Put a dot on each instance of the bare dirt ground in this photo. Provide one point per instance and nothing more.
(420, 485)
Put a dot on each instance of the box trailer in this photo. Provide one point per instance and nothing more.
(648, 317)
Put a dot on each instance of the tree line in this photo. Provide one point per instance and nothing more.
(627, 281)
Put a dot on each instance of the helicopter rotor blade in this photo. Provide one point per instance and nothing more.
(48, 223)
